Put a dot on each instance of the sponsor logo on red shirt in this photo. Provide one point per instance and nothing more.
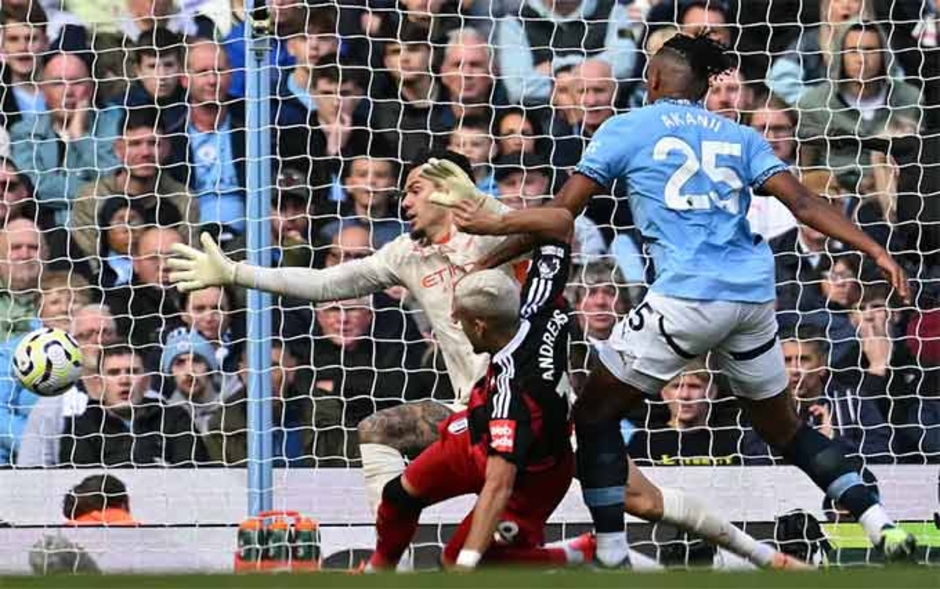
(502, 435)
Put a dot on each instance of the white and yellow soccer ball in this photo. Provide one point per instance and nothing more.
(47, 361)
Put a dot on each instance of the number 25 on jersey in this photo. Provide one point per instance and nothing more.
(678, 200)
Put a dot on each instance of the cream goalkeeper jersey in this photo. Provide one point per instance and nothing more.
(428, 271)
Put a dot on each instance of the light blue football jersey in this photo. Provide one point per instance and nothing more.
(689, 174)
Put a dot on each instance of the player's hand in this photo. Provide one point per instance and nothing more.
(895, 275)
(452, 185)
(472, 217)
(196, 269)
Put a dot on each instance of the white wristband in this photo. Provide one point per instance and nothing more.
(468, 559)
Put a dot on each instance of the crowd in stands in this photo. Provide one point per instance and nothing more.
(123, 132)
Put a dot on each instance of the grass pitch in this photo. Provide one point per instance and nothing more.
(855, 578)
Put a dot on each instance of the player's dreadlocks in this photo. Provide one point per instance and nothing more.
(705, 56)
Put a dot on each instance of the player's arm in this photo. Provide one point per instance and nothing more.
(541, 224)
(500, 480)
(194, 270)
(810, 210)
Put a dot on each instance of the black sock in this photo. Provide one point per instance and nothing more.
(602, 468)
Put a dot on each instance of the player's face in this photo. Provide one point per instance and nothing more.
(862, 59)
(687, 396)
(805, 368)
(427, 219)
(776, 127)
(123, 381)
(206, 312)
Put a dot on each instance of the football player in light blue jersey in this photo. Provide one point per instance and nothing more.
(688, 173)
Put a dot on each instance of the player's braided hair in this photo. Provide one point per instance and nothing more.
(705, 56)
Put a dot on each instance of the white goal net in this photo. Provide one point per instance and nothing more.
(124, 128)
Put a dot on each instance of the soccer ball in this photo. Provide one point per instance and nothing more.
(47, 361)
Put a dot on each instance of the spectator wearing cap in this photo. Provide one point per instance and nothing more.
(99, 500)
(191, 361)
(804, 63)
(859, 98)
(547, 35)
(65, 146)
(525, 181)
(210, 313)
(131, 425)
(371, 188)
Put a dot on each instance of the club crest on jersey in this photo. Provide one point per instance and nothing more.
(548, 267)
(457, 426)
(502, 435)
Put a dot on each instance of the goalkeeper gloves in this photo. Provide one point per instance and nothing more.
(452, 186)
(196, 269)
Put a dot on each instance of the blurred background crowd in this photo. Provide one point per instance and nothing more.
(122, 132)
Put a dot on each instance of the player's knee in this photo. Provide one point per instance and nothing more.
(395, 494)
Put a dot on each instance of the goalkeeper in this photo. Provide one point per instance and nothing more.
(428, 262)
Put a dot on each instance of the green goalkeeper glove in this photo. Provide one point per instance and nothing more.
(201, 269)
(452, 185)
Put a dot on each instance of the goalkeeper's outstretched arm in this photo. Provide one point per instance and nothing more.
(542, 224)
(195, 270)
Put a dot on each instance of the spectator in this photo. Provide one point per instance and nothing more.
(94, 328)
(596, 92)
(527, 181)
(728, 96)
(130, 425)
(215, 148)
(776, 121)
(353, 363)
(549, 35)
(16, 198)
(65, 146)
(61, 292)
(99, 500)
(282, 13)
(191, 362)
(157, 69)
(473, 139)
(352, 242)
(412, 116)
(695, 434)
(371, 187)
(713, 17)
(21, 261)
(291, 411)
(146, 309)
(333, 132)
(519, 131)
(806, 61)
(654, 42)
(801, 252)
(142, 183)
(209, 312)
(833, 408)
(308, 40)
(859, 99)
(23, 43)
(119, 221)
(468, 78)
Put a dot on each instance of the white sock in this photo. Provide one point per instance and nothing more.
(380, 464)
(612, 548)
(873, 520)
(691, 514)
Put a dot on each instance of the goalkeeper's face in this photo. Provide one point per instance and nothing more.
(428, 220)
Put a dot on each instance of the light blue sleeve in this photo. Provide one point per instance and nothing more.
(15, 405)
(608, 155)
(785, 79)
(761, 161)
(620, 48)
(523, 84)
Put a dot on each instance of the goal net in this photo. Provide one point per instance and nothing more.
(125, 129)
